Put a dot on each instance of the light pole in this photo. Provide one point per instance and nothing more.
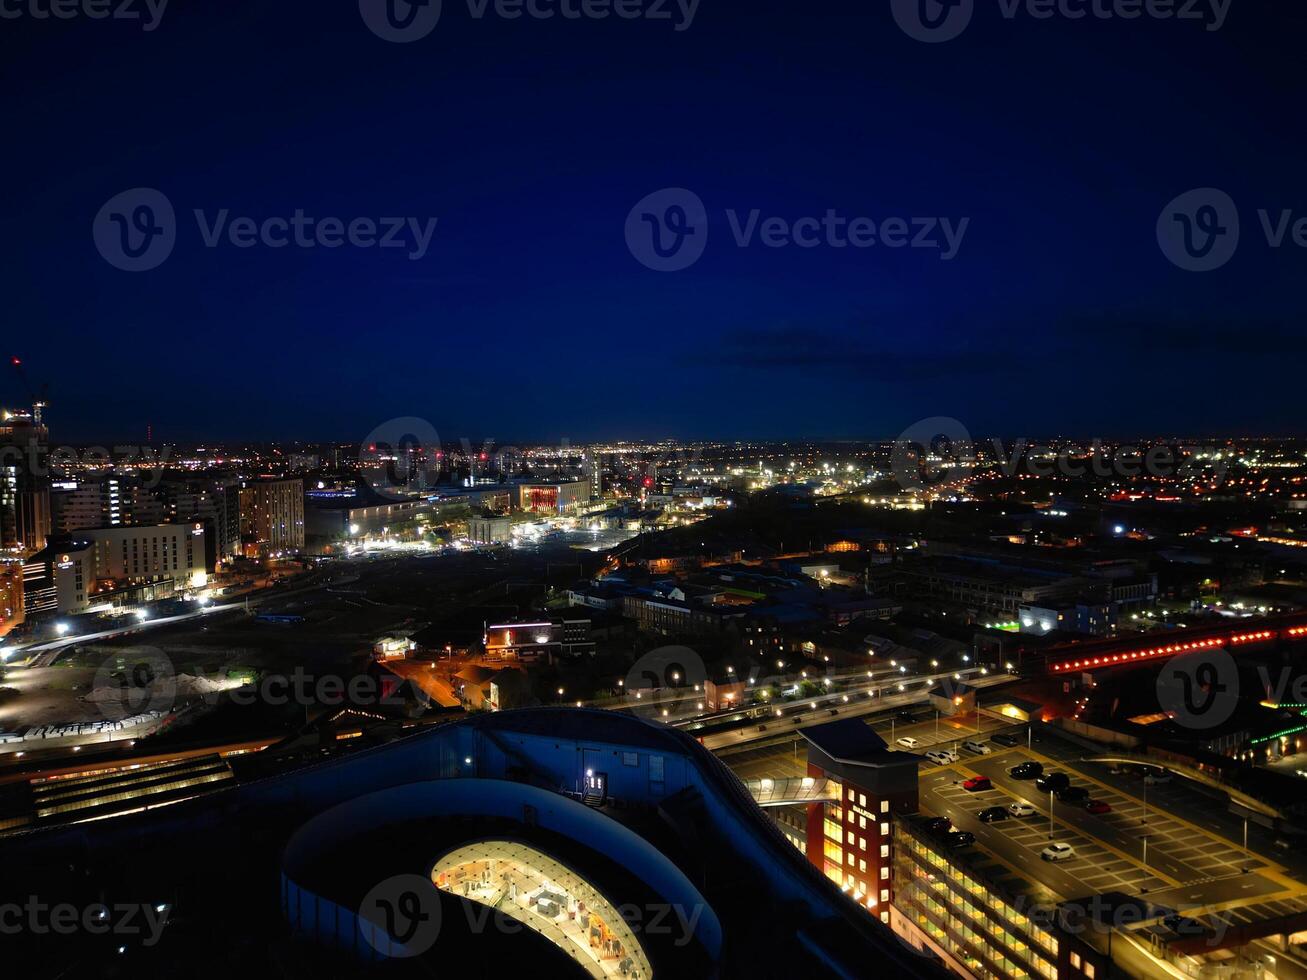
(1050, 814)
(1144, 890)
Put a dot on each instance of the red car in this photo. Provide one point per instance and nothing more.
(977, 783)
(1097, 806)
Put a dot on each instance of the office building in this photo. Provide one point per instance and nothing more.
(11, 596)
(849, 836)
(271, 517)
(102, 567)
(553, 497)
(489, 530)
(24, 484)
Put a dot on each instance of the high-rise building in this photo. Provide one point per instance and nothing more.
(216, 502)
(11, 596)
(124, 501)
(24, 484)
(106, 501)
(271, 517)
(850, 839)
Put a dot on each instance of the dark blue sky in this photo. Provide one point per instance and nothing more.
(530, 141)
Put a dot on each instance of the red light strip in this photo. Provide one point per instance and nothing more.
(1174, 648)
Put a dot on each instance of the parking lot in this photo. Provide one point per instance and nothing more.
(1184, 865)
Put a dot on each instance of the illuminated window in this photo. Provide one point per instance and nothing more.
(884, 874)
(884, 806)
(1089, 971)
(1075, 960)
(884, 830)
(862, 800)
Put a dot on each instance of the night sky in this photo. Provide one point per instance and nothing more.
(531, 140)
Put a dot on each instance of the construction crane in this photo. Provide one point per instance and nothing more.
(40, 401)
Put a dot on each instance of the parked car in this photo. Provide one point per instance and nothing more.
(1011, 741)
(952, 755)
(1021, 810)
(1072, 794)
(980, 748)
(908, 743)
(939, 758)
(1052, 782)
(993, 813)
(1157, 777)
(1057, 852)
(961, 838)
(1097, 806)
(1026, 770)
(977, 783)
(938, 825)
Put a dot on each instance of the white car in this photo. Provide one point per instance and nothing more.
(1157, 777)
(1021, 810)
(980, 748)
(952, 755)
(939, 758)
(1057, 852)
(908, 743)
